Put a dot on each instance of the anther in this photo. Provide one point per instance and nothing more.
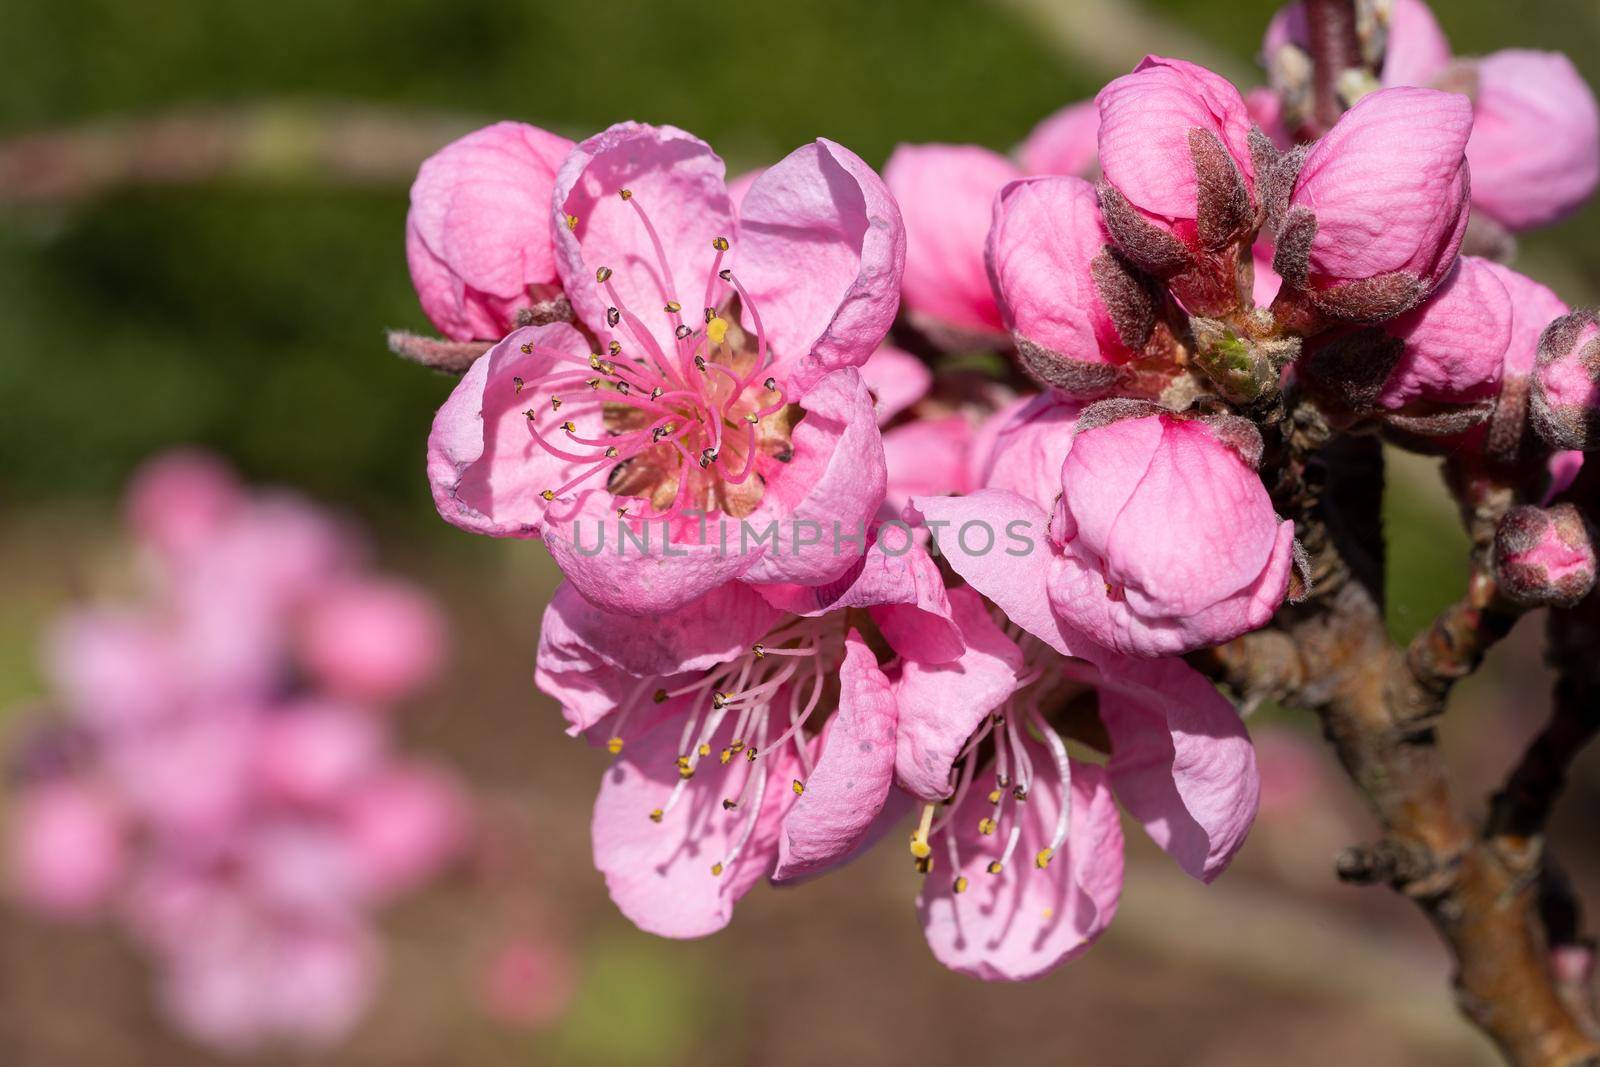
(716, 868)
(623, 387)
(615, 348)
(770, 384)
(548, 495)
(682, 332)
(960, 885)
(655, 394)
(686, 773)
(527, 348)
(995, 795)
(594, 361)
(614, 745)
(711, 313)
(729, 805)
(986, 826)
(726, 274)
(799, 787)
(555, 403)
(661, 696)
(1042, 860)
(570, 426)
(705, 750)
(657, 815)
(751, 753)
(737, 746)
(721, 245)
(759, 649)
(611, 452)
(707, 457)
(1021, 794)
(613, 316)
(592, 383)
(602, 275)
(725, 755)
(673, 307)
(516, 385)
(751, 418)
(572, 222)
(923, 864)
(700, 364)
(995, 866)
(626, 194)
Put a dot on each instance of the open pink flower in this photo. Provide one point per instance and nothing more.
(373, 640)
(1376, 213)
(1076, 309)
(67, 849)
(722, 777)
(1020, 843)
(1163, 539)
(1535, 148)
(695, 415)
(478, 235)
(1065, 142)
(945, 193)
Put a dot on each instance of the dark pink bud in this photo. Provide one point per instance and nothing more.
(1565, 397)
(1544, 555)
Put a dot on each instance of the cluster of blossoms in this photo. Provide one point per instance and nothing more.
(220, 777)
(815, 589)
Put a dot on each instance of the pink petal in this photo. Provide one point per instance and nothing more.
(404, 825)
(485, 468)
(659, 874)
(850, 781)
(821, 249)
(478, 234)
(677, 181)
(1066, 142)
(180, 499)
(1024, 921)
(927, 457)
(1022, 446)
(896, 379)
(65, 851)
(374, 640)
(1181, 760)
(1455, 343)
(942, 704)
(1145, 119)
(1014, 572)
(945, 193)
(1535, 148)
(314, 751)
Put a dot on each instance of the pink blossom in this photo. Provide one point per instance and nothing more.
(1076, 310)
(896, 379)
(180, 499)
(1377, 211)
(1160, 128)
(1163, 540)
(797, 294)
(67, 849)
(478, 234)
(946, 193)
(404, 824)
(1535, 148)
(1545, 556)
(1436, 369)
(1065, 142)
(373, 640)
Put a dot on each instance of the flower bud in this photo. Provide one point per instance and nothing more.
(1373, 219)
(1535, 148)
(1564, 401)
(478, 235)
(1170, 539)
(1180, 165)
(1066, 142)
(1544, 556)
(373, 640)
(1434, 370)
(946, 195)
(1075, 307)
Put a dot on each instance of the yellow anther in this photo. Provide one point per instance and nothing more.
(995, 866)
(527, 349)
(923, 864)
(555, 402)
(611, 451)
(592, 383)
(719, 700)
(716, 869)
(717, 329)
(920, 849)
(657, 815)
(737, 746)
(711, 313)
(960, 884)
(626, 194)
(725, 755)
(751, 418)
(1049, 913)
(1021, 794)
(594, 361)
(986, 826)
(720, 244)
(621, 512)
(614, 745)
(686, 773)
(572, 222)
(705, 750)
(548, 495)
(729, 805)
(673, 307)
(750, 753)
(602, 275)
(569, 426)
(799, 787)
(994, 796)
(516, 385)
(759, 649)
(615, 348)
(1042, 860)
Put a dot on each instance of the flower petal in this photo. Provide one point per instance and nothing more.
(896, 379)
(850, 782)
(821, 250)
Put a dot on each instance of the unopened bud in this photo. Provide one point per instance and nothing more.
(1565, 398)
(1244, 371)
(1544, 556)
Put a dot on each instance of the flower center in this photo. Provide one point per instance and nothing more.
(698, 424)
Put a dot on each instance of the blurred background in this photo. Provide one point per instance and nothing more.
(201, 210)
